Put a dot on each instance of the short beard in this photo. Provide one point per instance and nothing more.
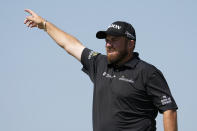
(114, 60)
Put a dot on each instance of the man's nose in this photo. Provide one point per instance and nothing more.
(108, 44)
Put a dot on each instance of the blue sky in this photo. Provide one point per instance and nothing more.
(42, 88)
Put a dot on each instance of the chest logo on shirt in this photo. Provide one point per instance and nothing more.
(121, 78)
(108, 75)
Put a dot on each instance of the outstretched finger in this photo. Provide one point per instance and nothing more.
(30, 12)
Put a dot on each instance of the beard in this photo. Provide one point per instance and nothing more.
(114, 56)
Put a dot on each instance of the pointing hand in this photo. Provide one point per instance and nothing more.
(34, 20)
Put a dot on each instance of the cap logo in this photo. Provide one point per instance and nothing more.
(115, 26)
(128, 34)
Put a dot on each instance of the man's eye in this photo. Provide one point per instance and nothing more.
(114, 39)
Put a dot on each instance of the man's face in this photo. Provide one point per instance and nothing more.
(117, 49)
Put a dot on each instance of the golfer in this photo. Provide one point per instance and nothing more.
(128, 92)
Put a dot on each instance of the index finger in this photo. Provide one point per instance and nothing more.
(30, 12)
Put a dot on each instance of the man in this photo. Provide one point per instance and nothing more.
(128, 92)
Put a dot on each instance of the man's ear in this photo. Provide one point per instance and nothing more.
(131, 44)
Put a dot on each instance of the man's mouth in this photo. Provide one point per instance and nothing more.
(110, 50)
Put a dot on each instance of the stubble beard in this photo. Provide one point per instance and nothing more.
(118, 56)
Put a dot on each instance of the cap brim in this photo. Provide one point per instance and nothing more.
(103, 34)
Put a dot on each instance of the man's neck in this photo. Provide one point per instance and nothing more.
(125, 60)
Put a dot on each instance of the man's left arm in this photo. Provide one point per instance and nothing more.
(158, 89)
(170, 120)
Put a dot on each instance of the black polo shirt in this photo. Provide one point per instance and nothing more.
(126, 98)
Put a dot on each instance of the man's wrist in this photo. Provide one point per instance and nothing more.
(44, 25)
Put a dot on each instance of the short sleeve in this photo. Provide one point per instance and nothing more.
(88, 60)
(159, 91)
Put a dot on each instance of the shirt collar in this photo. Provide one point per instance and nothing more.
(131, 63)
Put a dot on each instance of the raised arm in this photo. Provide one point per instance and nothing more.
(170, 120)
(63, 39)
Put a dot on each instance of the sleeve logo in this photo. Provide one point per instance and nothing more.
(165, 100)
(92, 54)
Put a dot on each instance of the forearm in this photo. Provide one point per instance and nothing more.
(170, 120)
(62, 38)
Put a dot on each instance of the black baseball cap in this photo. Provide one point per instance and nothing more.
(118, 28)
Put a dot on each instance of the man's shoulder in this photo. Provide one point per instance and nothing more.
(146, 67)
(91, 54)
(145, 70)
(102, 57)
(101, 60)
(97, 57)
